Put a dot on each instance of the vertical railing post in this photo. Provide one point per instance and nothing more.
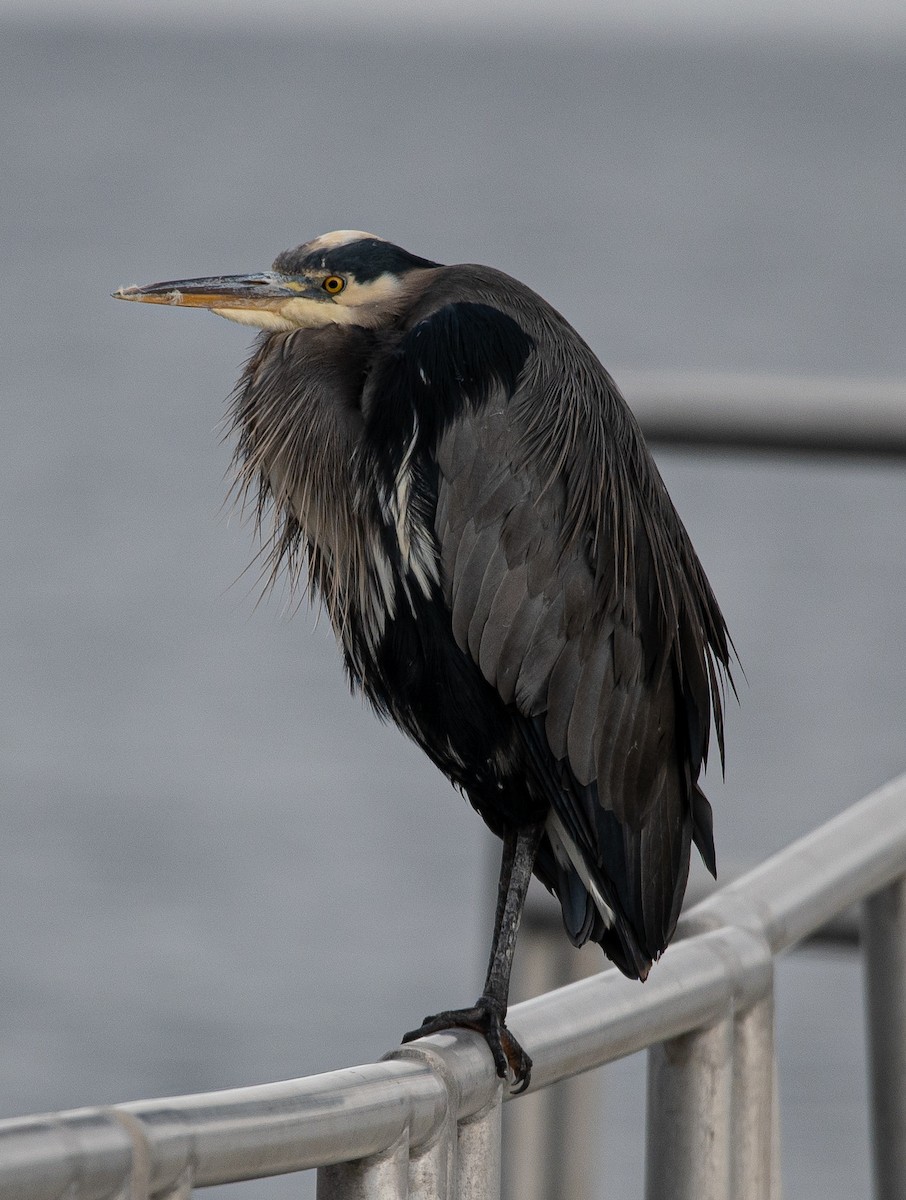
(550, 1138)
(541, 964)
(884, 948)
(432, 1171)
(478, 1153)
(690, 1082)
(753, 1126)
(382, 1177)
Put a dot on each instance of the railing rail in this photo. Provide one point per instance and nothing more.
(785, 413)
(426, 1121)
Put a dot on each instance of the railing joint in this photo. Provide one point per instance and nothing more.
(462, 1062)
(139, 1185)
(724, 909)
(750, 965)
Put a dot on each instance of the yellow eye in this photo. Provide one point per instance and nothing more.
(333, 284)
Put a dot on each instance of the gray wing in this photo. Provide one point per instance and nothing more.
(565, 610)
(544, 621)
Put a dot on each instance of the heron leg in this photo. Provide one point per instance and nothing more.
(488, 1014)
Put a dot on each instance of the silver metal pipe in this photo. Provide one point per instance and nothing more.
(432, 1169)
(776, 1178)
(220, 1137)
(769, 412)
(752, 1125)
(433, 1165)
(884, 939)
(382, 1177)
(268, 1130)
(526, 1148)
(86, 1153)
(799, 889)
(539, 967)
(478, 1153)
(551, 1138)
(690, 1090)
(695, 983)
(573, 1139)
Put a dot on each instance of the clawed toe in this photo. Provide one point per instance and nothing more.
(487, 1018)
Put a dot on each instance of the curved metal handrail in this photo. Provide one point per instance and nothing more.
(721, 963)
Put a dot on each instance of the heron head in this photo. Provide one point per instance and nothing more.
(343, 278)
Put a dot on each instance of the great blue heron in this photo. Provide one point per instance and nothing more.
(505, 573)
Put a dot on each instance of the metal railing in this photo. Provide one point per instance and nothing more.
(425, 1122)
(785, 413)
(551, 1142)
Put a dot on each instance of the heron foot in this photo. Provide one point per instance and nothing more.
(487, 1018)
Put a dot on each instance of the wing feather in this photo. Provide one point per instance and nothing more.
(536, 658)
(596, 676)
(472, 561)
(561, 696)
(509, 603)
(515, 637)
(495, 573)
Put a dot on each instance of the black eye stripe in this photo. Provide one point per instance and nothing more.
(365, 259)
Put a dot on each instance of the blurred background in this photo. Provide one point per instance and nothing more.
(217, 868)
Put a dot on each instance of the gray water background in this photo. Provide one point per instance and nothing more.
(216, 867)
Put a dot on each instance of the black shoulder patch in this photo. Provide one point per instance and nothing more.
(445, 365)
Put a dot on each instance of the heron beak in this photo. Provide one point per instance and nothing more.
(267, 290)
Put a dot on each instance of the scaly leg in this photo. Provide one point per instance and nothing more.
(487, 1016)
